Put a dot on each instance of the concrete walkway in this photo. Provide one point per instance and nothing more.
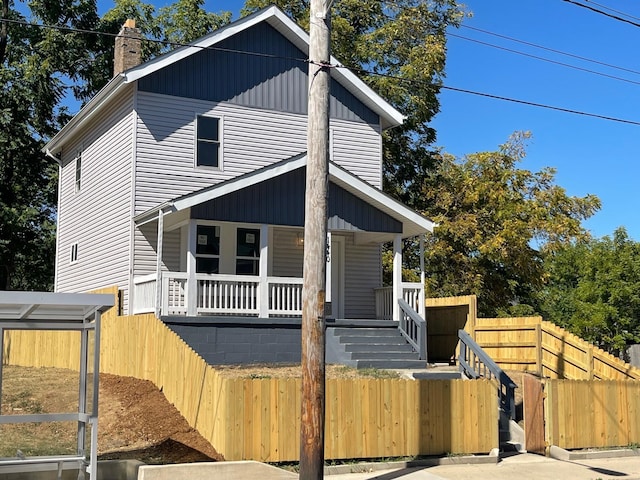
(516, 467)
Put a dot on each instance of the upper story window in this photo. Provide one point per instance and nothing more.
(208, 143)
(78, 181)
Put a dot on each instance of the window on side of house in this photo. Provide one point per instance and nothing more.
(73, 256)
(208, 142)
(248, 251)
(78, 181)
(208, 249)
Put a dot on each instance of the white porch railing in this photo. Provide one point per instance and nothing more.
(414, 328)
(412, 293)
(219, 295)
(241, 295)
(285, 296)
(144, 294)
(227, 294)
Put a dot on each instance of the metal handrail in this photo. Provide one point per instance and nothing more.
(414, 328)
(474, 362)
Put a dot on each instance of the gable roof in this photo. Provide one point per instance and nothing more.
(389, 116)
(412, 223)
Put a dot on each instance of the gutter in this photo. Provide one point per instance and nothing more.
(48, 153)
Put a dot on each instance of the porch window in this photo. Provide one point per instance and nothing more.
(208, 249)
(247, 251)
(208, 141)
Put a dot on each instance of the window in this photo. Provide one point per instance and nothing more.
(78, 171)
(208, 249)
(74, 253)
(208, 141)
(248, 251)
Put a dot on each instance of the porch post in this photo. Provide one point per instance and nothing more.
(397, 276)
(263, 293)
(192, 286)
(160, 236)
(422, 301)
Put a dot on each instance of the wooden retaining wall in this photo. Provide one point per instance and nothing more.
(259, 419)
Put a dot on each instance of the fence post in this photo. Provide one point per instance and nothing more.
(539, 349)
(590, 362)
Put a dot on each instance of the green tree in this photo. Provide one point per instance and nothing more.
(594, 290)
(39, 69)
(496, 223)
(35, 64)
(186, 20)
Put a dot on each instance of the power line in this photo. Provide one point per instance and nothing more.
(536, 57)
(506, 99)
(602, 12)
(541, 105)
(366, 72)
(559, 52)
(612, 9)
(152, 40)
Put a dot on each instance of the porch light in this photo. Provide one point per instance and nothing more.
(300, 239)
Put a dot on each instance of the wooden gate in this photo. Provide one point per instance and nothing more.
(533, 414)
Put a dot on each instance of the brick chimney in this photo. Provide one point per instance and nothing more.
(128, 44)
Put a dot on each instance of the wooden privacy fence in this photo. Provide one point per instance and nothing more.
(534, 345)
(574, 414)
(259, 419)
(587, 414)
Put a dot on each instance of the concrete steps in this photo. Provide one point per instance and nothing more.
(370, 345)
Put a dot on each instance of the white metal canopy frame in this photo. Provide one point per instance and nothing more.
(63, 312)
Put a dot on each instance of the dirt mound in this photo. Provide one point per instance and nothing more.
(135, 419)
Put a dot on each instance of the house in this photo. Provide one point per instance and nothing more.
(182, 182)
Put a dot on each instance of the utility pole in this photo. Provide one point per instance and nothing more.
(315, 246)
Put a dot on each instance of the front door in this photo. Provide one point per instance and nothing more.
(336, 258)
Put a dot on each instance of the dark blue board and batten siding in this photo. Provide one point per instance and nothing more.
(272, 75)
(265, 203)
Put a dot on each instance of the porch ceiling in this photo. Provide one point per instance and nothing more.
(256, 197)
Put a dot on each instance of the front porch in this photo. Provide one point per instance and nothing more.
(235, 250)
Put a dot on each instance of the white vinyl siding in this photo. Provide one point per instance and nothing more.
(252, 139)
(357, 147)
(363, 273)
(145, 240)
(98, 216)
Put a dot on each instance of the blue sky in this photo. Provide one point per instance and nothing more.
(591, 155)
